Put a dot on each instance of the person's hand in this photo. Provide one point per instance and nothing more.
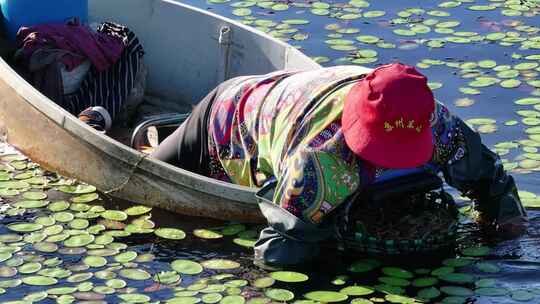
(512, 227)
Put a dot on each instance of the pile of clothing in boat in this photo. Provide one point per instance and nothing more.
(96, 72)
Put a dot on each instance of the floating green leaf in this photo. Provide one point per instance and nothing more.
(425, 282)
(476, 251)
(134, 274)
(85, 198)
(39, 280)
(170, 233)
(220, 264)
(95, 261)
(461, 278)
(24, 227)
(79, 240)
(491, 292)
(397, 272)
(186, 267)
(125, 257)
(115, 215)
(394, 281)
(522, 295)
(167, 277)
(326, 296)
(278, 294)
(289, 276)
(207, 234)
(357, 290)
(457, 291)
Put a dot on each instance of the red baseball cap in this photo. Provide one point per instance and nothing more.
(386, 117)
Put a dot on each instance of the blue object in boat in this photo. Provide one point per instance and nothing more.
(18, 13)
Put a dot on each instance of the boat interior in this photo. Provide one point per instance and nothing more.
(184, 61)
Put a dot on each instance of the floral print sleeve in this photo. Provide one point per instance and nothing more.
(448, 137)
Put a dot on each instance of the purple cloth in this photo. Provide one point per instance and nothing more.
(79, 40)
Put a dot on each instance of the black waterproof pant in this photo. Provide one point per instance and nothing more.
(187, 147)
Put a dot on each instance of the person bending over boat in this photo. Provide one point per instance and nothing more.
(323, 135)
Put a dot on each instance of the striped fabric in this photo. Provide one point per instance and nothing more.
(111, 88)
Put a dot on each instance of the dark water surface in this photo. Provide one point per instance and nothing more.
(513, 266)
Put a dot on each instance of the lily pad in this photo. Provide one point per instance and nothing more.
(24, 227)
(362, 266)
(397, 272)
(457, 291)
(233, 299)
(220, 264)
(35, 296)
(137, 210)
(522, 295)
(45, 247)
(394, 281)
(134, 298)
(357, 290)
(510, 83)
(289, 276)
(476, 251)
(95, 261)
(35, 196)
(462, 262)
(183, 300)
(45, 220)
(213, 288)
(485, 283)
(487, 267)
(264, 282)
(29, 268)
(58, 206)
(8, 192)
(425, 282)
(464, 102)
(78, 189)
(429, 293)
(31, 204)
(85, 198)
(369, 39)
(10, 283)
(17, 185)
(326, 296)
(7, 271)
(114, 215)
(441, 271)
(80, 277)
(39, 280)
(491, 292)
(126, 257)
(207, 234)
(186, 267)
(170, 233)
(353, 301)
(211, 298)
(167, 277)
(281, 295)
(79, 240)
(63, 216)
(79, 224)
(459, 278)
(134, 274)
